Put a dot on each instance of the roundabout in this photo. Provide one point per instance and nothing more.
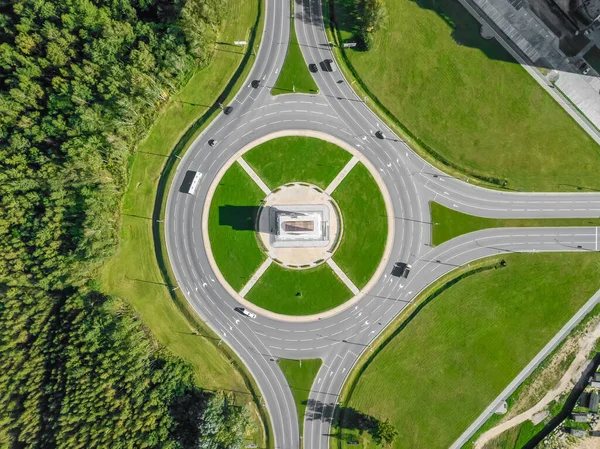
(297, 224)
(212, 268)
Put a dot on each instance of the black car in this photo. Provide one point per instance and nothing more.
(228, 110)
(330, 65)
(401, 269)
(255, 84)
(313, 68)
(379, 135)
(327, 65)
(212, 142)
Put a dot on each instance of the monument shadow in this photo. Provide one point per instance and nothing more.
(239, 218)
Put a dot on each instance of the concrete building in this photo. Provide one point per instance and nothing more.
(594, 400)
(577, 432)
(580, 417)
(584, 400)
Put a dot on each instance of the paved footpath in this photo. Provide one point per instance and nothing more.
(341, 175)
(345, 279)
(256, 276)
(259, 182)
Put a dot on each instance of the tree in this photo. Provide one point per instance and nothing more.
(82, 82)
(385, 432)
(223, 424)
(371, 16)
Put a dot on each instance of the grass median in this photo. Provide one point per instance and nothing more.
(365, 225)
(231, 226)
(449, 223)
(300, 375)
(446, 363)
(301, 159)
(466, 101)
(134, 273)
(299, 292)
(294, 76)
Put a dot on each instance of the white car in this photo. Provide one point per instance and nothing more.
(248, 313)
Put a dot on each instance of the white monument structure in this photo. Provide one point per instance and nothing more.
(294, 226)
(298, 225)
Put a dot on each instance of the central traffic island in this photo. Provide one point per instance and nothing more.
(297, 225)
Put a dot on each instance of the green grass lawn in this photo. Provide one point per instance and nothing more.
(300, 159)
(468, 100)
(231, 226)
(300, 375)
(133, 273)
(543, 379)
(365, 225)
(294, 75)
(449, 223)
(461, 350)
(278, 288)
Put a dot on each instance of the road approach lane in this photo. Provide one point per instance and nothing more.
(412, 183)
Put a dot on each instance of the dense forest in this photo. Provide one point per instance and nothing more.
(80, 83)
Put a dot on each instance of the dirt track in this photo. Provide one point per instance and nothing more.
(586, 343)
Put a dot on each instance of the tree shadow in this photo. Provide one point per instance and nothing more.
(342, 418)
(187, 410)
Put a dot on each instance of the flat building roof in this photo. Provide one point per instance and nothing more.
(299, 226)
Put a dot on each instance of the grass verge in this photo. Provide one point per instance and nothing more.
(365, 225)
(459, 351)
(300, 375)
(297, 159)
(298, 292)
(294, 75)
(449, 223)
(507, 129)
(231, 226)
(140, 272)
(530, 392)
